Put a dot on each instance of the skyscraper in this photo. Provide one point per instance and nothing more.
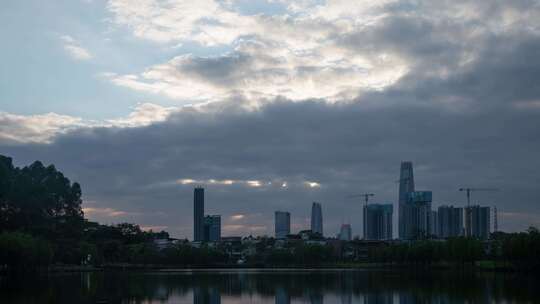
(434, 224)
(450, 221)
(480, 221)
(378, 221)
(406, 185)
(316, 218)
(212, 228)
(282, 224)
(416, 215)
(198, 214)
(345, 233)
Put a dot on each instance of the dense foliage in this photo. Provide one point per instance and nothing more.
(521, 250)
(459, 250)
(39, 200)
(41, 222)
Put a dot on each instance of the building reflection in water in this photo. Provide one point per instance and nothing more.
(316, 298)
(282, 296)
(206, 295)
(247, 287)
(346, 298)
(379, 298)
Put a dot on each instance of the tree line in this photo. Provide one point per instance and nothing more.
(516, 250)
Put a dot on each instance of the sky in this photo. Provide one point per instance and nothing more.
(273, 104)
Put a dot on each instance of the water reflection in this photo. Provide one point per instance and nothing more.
(206, 295)
(329, 287)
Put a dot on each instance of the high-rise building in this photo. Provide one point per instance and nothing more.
(433, 224)
(316, 218)
(212, 228)
(450, 222)
(345, 233)
(480, 221)
(378, 221)
(198, 214)
(406, 185)
(416, 215)
(282, 224)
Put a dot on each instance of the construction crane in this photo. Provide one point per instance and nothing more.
(469, 190)
(364, 195)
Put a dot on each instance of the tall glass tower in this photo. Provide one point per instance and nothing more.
(282, 224)
(406, 185)
(198, 214)
(316, 218)
(378, 221)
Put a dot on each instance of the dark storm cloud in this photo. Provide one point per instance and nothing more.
(467, 113)
(346, 148)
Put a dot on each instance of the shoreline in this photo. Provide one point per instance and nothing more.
(484, 266)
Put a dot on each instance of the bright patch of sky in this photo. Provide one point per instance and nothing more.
(99, 59)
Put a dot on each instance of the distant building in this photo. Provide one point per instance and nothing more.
(416, 215)
(198, 214)
(433, 224)
(212, 228)
(450, 222)
(480, 222)
(345, 233)
(378, 221)
(163, 243)
(316, 218)
(282, 224)
(406, 185)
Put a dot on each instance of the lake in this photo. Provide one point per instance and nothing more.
(277, 287)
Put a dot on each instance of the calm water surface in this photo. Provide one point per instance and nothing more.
(276, 287)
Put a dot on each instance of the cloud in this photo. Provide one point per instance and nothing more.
(26, 129)
(330, 50)
(347, 148)
(293, 56)
(237, 217)
(144, 114)
(312, 184)
(35, 128)
(331, 94)
(74, 49)
(206, 21)
(103, 212)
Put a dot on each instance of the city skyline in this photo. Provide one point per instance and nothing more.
(416, 217)
(271, 105)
